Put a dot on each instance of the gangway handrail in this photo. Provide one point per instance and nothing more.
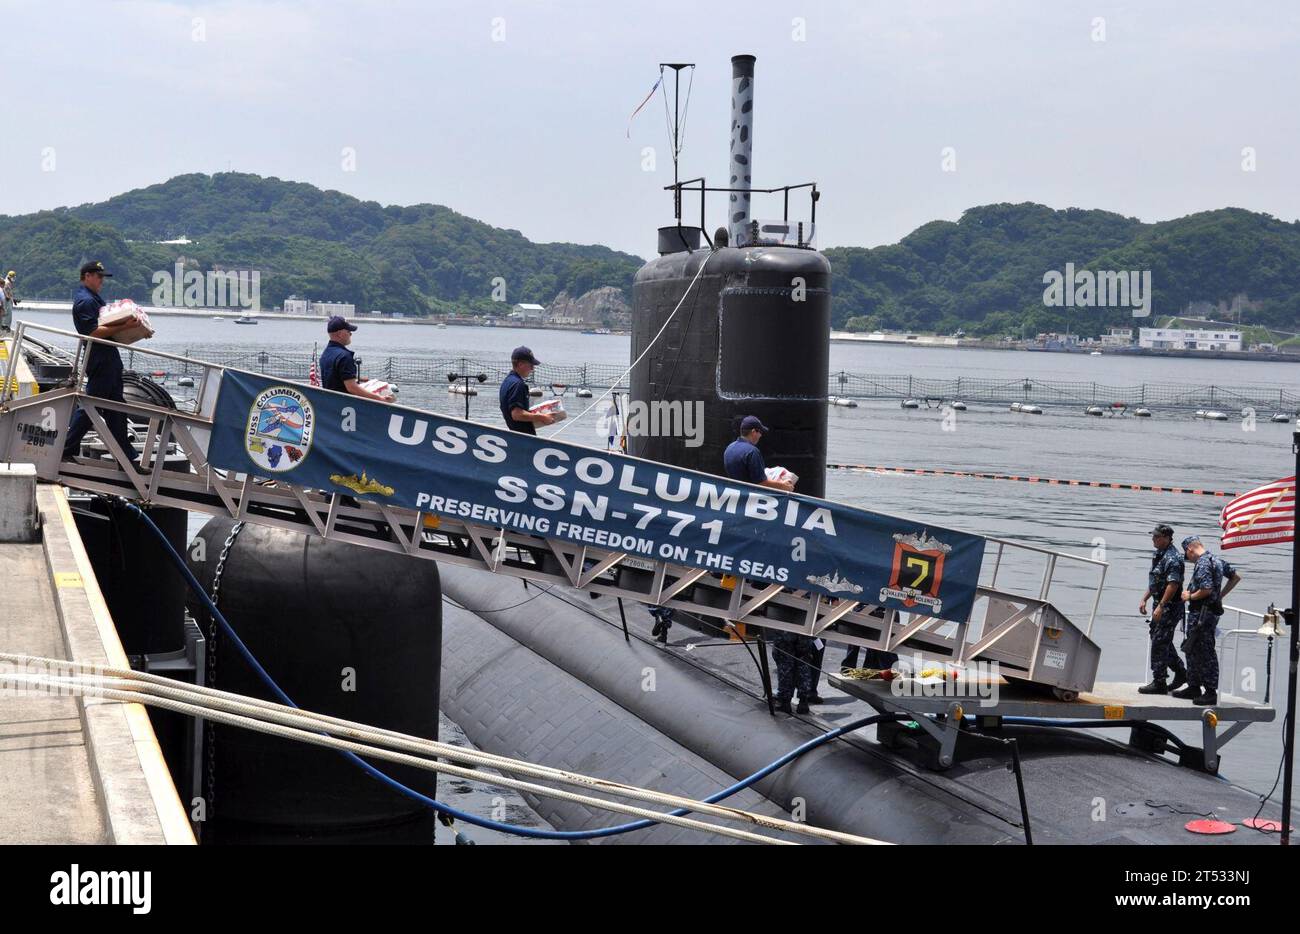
(1237, 635)
(24, 326)
(335, 515)
(1049, 571)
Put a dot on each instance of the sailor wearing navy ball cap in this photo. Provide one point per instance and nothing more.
(514, 394)
(103, 363)
(338, 366)
(744, 461)
(798, 657)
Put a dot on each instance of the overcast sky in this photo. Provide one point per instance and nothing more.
(516, 113)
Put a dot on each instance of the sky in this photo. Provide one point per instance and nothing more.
(517, 113)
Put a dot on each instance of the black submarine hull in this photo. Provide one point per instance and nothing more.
(715, 712)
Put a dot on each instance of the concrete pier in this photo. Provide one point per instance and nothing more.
(72, 770)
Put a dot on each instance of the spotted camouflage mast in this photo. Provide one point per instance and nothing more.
(742, 146)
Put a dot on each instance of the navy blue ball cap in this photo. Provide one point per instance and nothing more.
(339, 323)
(97, 267)
(523, 353)
(750, 422)
(1190, 539)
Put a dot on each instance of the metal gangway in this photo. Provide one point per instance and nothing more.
(1021, 630)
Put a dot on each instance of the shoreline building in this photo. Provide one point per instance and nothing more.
(1118, 337)
(528, 313)
(1189, 339)
(293, 305)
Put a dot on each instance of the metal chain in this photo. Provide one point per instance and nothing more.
(212, 666)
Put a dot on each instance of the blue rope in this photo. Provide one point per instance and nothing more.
(474, 819)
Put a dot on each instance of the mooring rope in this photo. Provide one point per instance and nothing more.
(317, 729)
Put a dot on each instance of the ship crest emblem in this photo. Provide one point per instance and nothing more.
(917, 571)
(280, 427)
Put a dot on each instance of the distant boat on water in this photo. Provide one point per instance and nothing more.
(245, 319)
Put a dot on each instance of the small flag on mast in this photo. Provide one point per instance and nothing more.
(1262, 516)
(643, 103)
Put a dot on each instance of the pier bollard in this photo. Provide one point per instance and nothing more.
(18, 503)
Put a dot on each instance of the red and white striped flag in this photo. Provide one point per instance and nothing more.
(313, 376)
(1262, 516)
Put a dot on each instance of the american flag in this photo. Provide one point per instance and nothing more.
(1262, 516)
(313, 376)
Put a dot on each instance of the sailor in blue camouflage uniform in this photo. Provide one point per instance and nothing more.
(797, 660)
(1228, 576)
(1165, 587)
(1203, 596)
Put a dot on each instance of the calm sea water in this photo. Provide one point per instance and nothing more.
(1170, 449)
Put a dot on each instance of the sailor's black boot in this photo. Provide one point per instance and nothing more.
(1208, 699)
(801, 707)
(1156, 686)
(783, 706)
(1180, 678)
(1190, 692)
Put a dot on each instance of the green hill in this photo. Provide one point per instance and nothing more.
(304, 241)
(984, 273)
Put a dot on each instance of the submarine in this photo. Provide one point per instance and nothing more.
(736, 323)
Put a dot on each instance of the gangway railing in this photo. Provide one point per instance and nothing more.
(1024, 633)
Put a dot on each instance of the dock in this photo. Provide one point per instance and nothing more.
(72, 769)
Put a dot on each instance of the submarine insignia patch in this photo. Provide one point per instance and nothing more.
(833, 583)
(280, 427)
(917, 570)
(361, 484)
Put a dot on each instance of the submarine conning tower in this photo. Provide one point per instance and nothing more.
(752, 333)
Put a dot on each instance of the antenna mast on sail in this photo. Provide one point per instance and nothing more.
(678, 121)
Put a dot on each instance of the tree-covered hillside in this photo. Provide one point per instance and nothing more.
(984, 273)
(323, 245)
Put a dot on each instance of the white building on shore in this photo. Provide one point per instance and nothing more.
(528, 313)
(1189, 339)
(1118, 337)
(293, 305)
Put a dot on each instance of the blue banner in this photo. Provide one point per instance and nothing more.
(493, 477)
